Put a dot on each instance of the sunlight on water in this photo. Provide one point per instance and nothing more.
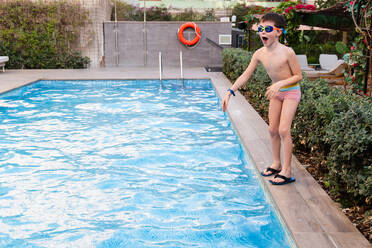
(126, 164)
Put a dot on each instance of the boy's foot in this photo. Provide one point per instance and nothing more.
(285, 180)
(269, 172)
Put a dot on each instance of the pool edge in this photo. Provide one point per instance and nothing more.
(313, 217)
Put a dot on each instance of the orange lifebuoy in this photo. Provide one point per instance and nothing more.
(197, 34)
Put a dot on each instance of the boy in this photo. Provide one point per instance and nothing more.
(284, 94)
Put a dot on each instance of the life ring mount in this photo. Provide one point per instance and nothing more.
(197, 34)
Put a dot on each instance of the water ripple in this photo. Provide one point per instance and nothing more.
(126, 164)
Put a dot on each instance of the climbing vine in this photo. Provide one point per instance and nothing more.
(41, 35)
(288, 9)
(361, 13)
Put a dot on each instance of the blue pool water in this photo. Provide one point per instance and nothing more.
(127, 164)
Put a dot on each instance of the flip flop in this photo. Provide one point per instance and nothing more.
(269, 169)
(286, 180)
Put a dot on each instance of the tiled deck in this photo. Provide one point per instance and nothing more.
(311, 216)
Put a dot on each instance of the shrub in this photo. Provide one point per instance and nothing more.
(350, 157)
(126, 12)
(129, 12)
(186, 15)
(40, 35)
(336, 126)
(192, 15)
(332, 125)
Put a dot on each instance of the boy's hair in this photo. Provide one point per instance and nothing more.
(279, 20)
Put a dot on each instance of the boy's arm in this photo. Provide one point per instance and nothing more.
(242, 79)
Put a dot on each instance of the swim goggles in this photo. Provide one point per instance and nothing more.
(269, 29)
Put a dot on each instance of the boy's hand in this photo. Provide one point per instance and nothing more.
(225, 101)
(272, 90)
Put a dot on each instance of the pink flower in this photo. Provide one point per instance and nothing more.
(355, 64)
(352, 49)
(310, 7)
(351, 2)
(299, 6)
(288, 9)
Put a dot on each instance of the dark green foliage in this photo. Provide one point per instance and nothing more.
(314, 42)
(322, 4)
(39, 35)
(350, 157)
(186, 15)
(128, 12)
(341, 48)
(240, 10)
(332, 125)
(336, 126)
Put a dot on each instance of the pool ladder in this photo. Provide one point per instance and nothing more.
(161, 68)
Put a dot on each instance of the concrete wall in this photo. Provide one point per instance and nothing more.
(162, 37)
(91, 41)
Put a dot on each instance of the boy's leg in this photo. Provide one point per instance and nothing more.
(275, 108)
(288, 112)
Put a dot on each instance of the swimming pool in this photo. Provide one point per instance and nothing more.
(127, 164)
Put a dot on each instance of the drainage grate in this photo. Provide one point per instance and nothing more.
(213, 69)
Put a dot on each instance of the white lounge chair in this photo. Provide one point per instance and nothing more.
(327, 61)
(3, 60)
(302, 60)
(335, 73)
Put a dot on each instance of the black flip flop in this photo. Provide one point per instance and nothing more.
(269, 169)
(286, 180)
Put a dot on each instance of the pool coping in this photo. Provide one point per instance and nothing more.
(311, 217)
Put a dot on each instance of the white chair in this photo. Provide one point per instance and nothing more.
(336, 72)
(3, 60)
(302, 60)
(327, 61)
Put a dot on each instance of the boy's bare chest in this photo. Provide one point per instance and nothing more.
(274, 63)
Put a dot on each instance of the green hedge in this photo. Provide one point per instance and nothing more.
(332, 125)
(38, 35)
(128, 12)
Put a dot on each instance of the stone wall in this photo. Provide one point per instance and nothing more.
(91, 38)
(162, 37)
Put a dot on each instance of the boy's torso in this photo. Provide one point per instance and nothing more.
(275, 62)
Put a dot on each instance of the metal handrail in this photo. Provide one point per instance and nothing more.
(160, 67)
(181, 67)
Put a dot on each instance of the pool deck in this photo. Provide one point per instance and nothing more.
(312, 218)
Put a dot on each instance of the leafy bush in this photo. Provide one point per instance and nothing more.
(40, 35)
(357, 61)
(333, 125)
(240, 10)
(350, 157)
(129, 12)
(247, 12)
(187, 15)
(315, 42)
